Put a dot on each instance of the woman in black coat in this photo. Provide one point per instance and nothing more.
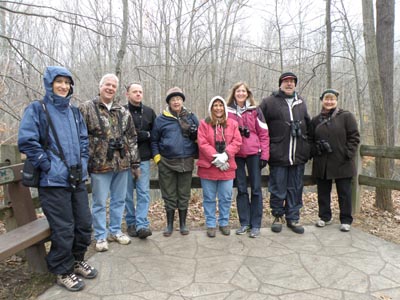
(334, 136)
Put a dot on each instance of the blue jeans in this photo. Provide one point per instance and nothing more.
(286, 188)
(211, 190)
(250, 210)
(103, 184)
(138, 215)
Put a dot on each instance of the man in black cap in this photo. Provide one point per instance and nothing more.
(286, 115)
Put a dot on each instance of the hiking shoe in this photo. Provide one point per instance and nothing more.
(144, 233)
(226, 230)
(71, 282)
(295, 226)
(84, 269)
(243, 230)
(277, 224)
(101, 245)
(322, 223)
(345, 227)
(211, 231)
(119, 238)
(255, 232)
(131, 230)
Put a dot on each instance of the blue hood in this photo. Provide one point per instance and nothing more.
(49, 75)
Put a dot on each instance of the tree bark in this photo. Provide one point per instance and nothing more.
(383, 198)
(122, 46)
(328, 45)
(385, 48)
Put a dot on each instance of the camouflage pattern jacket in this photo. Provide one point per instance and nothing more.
(113, 140)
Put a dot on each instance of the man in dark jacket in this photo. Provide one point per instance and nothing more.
(64, 202)
(143, 117)
(287, 118)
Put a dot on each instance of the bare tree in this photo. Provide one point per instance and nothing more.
(385, 48)
(383, 199)
(328, 44)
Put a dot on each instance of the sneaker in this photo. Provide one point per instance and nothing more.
(131, 230)
(84, 269)
(255, 232)
(295, 226)
(119, 238)
(71, 282)
(277, 224)
(322, 223)
(345, 227)
(243, 230)
(144, 233)
(226, 230)
(101, 245)
(211, 231)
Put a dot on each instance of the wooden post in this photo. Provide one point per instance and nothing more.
(356, 187)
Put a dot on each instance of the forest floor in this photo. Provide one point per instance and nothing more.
(16, 282)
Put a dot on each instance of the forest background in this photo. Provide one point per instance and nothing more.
(203, 46)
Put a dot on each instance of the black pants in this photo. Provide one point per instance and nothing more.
(343, 188)
(70, 221)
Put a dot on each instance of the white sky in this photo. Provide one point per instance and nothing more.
(261, 9)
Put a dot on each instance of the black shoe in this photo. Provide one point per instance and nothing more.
(295, 226)
(131, 230)
(144, 233)
(277, 224)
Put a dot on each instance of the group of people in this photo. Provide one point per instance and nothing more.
(113, 144)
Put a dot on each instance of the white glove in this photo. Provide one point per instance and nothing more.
(224, 167)
(220, 158)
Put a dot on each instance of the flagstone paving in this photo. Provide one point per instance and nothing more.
(324, 263)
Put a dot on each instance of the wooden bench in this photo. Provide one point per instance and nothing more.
(31, 233)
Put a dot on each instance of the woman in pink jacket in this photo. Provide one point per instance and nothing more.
(219, 140)
(253, 155)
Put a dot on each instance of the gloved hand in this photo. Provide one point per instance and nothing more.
(135, 173)
(220, 159)
(143, 135)
(224, 167)
(263, 163)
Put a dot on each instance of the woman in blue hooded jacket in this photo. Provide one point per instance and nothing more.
(64, 201)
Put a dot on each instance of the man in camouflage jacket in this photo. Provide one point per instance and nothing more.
(113, 153)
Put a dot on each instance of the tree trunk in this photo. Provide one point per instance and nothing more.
(122, 46)
(383, 198)
(328, 45)
(385, 48)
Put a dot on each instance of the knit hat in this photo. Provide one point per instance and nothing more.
(223, 102)
(175, 91)
(287, 75)
(329, 91)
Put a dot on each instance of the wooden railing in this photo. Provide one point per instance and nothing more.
(360, 179)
